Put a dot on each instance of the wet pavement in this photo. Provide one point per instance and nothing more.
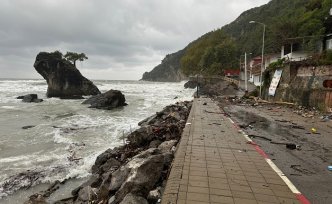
(216, 163)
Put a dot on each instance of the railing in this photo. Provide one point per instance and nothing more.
(209, 79)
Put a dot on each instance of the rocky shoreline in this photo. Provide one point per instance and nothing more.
(135, 172)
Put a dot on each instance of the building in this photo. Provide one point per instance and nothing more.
(233, 73)
(255, 67)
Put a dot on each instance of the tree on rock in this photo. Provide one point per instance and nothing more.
(73, 57)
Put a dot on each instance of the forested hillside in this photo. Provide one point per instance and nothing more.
(284, 19)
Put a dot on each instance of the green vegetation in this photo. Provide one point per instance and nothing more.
(306, 21)
(73, 57)
(209, 53)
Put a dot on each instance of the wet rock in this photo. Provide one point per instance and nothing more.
(145, 172)
(62, 77)
(140, 137)
(190, 84)
(108, 100)
(154, 144)
(167, 145)
(110, 164)
(133, 199)
(105, 156)
(168, 158)
(94, 181)
(36, 199)
(30, 98)
(87, 194)
(154, 196)
(28, 127)
(72, 97)
(147, 121)
(135, 169)
(118, 178)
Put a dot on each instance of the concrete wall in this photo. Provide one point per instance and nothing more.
(304, 85)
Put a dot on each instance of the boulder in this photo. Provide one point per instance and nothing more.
(29, 98)
(87, 194)
(141, 137)
(154, 196)
(133, 199)
(145, 172)
(108, 100)
(62, 77)
(190, 84)
(167, 145)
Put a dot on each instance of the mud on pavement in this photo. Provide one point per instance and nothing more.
(299, 144)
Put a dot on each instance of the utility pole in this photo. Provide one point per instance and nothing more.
(262, 64)
(245, 73)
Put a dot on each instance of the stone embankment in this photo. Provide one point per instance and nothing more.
(137, 171)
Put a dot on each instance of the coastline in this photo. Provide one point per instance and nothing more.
(136, 170)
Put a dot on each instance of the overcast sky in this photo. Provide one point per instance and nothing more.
(122, 38)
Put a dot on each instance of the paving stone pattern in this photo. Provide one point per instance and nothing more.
(215, 164)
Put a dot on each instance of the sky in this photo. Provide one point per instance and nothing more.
(122, 38)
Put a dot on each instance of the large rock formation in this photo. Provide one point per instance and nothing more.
(108, 100)
(62, 77)
(168, 70)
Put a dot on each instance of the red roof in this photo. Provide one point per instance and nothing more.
(232, 72)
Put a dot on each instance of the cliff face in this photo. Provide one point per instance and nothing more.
(168, 70)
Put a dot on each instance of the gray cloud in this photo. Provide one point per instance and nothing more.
(122, 38)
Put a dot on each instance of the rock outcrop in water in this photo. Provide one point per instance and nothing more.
(108, 100)
(62, 77)
(135, 172)
(29, 98)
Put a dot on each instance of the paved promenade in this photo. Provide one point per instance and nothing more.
(215, 164)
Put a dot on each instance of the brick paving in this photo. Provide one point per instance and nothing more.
(215, 164)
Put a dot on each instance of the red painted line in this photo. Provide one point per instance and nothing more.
(302, 199)
(261, 152)
(236, 126)
(299, 196)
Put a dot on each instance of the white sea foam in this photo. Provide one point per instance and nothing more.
(8, 107)
(66, 128)
(58, 138)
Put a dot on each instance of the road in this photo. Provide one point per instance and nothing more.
(272, 127)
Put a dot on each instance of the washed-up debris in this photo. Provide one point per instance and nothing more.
(313, 130)
(291, 146)
(326, 118)
(262, 137)
(306, 112)
(329, 168)
(299, 168)
(297, 127)
(282, 121)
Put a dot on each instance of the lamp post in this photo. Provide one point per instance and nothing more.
(245, 71)
(262, 64)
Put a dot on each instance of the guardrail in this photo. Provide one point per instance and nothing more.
(209, 79)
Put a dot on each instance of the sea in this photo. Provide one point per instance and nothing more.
(64, 137)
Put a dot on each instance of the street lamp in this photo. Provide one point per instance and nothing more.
(262, 64)
(245, 71)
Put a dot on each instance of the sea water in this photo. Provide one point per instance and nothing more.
(67, 136)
